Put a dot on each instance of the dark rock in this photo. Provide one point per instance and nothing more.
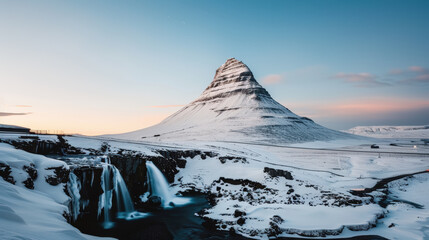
(61, 175)
(277, 219)
(31, 170)
(45, 147)
(278, 173)
(209, 223)
(241, 221)
(5, 172)
(90, 191)
(392, 225)
(28, 183)
(243, 182)
(32, 175)
(154, 201)
(239, 213)
(105, 147)
(233, 159)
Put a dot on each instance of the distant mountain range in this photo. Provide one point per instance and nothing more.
(235, 107)
(391, 131)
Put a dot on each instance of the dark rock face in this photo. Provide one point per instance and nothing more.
(32, 175)
(90, 191)
(242, 182)
(154, 201)
(45, 147)
(31, 170)
(224, 159)
(61, 175)
(241, 221)
(278, 173)
(238, 213)
(5, 172)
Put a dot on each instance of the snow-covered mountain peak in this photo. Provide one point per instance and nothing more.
(231, 66)
(233, 78)
(235, 107)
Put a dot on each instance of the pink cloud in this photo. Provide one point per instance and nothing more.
(360, 79)
(357, 107)
(272, 79)
(417, 69)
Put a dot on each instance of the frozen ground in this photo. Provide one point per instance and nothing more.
(263, 191)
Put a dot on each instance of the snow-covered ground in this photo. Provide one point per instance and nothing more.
(33, 213)
(392, 131)
(255, 195)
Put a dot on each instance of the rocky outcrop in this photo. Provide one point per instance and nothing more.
(44, 147)
(224, 159)
(5, 172)
(278, 173)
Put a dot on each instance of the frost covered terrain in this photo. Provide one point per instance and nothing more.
(30, 207)
(391, 131)
(261, 191)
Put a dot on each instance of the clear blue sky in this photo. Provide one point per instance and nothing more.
(112, 66)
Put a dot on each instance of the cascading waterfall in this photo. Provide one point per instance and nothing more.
(158, 185)
(113, 184)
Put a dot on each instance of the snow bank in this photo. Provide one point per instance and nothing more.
(33, 213)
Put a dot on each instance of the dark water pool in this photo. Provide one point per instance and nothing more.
(175, 223)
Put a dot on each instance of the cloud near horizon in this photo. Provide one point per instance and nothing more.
(272, 79)
(365, 108)
(410, 75)
(165, 106)
(5, 114)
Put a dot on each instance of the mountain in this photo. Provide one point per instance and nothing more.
(392, 131)
(235, 107)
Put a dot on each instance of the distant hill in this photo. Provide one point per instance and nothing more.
(12, 128)
(391, 131)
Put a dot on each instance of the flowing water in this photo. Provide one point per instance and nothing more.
(113, 183)
(158, 185)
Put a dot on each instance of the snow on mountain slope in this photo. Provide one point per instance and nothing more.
(391, 131)
(235, 107)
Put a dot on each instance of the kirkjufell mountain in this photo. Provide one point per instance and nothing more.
(235, 107)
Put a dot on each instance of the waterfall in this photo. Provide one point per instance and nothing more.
(73, 187)
(105, 199)
(113, 184)
(158, 185)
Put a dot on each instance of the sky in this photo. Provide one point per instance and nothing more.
(102, 67)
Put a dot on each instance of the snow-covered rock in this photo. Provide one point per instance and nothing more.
(32, 204)
(235, 107)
